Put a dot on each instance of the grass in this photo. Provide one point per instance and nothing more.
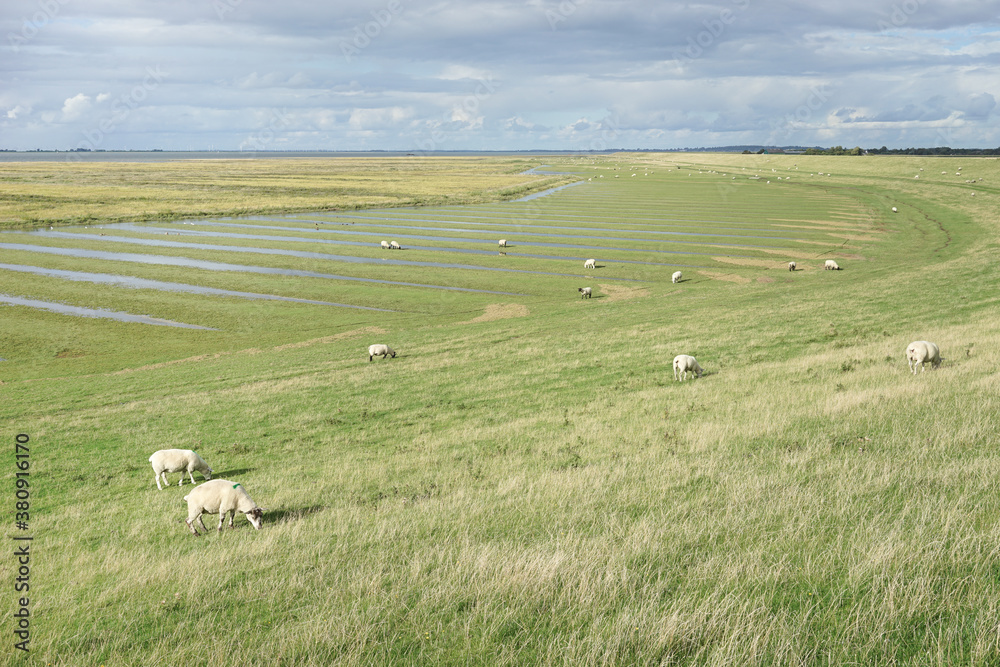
(536, 488)
(45, 193)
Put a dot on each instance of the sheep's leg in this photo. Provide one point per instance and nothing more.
(232, 516)
(190, 524)
(191, 475)
(181, 482)
(157, 478)
(201, 520)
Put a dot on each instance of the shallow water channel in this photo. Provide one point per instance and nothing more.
(79, 311)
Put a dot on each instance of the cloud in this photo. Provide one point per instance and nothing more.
(17, 111)
(75, 106)
(980, 106)
(507, 73)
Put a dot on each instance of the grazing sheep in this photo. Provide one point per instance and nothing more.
(684, 363)
(219, 497)
(676, 278)
(393, 245)
(503, 243)
(831, 265)
(380, 350)
(921, 351)
(894, 210)
(590, 264)
(385, 245)
(584, 292)
(791, 266)
(177, 460)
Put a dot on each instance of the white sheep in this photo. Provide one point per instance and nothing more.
(502, 243)
(380, 350)
(831, 265)
(684, 363)
(177, 460)
(584, 292)
(393, 245)
(590, 264)
(791, 266)
(219, 497)
(921, 351)
(894, 209)
(385, 245)
(676, 278)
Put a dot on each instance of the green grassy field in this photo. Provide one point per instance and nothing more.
(526, 483)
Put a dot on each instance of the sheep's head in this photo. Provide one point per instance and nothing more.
(256, 517)
(393, 354)
(208, 473)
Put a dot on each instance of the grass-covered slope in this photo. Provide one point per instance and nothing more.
(526, 483)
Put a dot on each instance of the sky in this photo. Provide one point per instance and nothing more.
(258, 75)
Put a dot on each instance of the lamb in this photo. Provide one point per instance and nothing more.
(380, 350)
(219, 497)
(584, 292)
(590, 264)
(385, 245)
(831, 265)
(393, 245)
(684, 363)
(676, 278)
(791, 266)
(503, 243)
(921, 351)
(177, 460)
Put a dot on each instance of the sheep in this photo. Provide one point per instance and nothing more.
(385, 245)
(590, 264)
(219, 497)
(676, 278)
(684, 363)
(502, 243)
(394, 245)
(584, 292)
(791, 266)
(894, 209)
(177, 460)
(831, 265)
(380, 350)
(921, 351)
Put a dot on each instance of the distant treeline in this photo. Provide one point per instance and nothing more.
(857, 150)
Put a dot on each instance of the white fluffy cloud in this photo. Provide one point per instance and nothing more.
(75, 106)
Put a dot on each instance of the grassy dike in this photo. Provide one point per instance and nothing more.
(534, 487)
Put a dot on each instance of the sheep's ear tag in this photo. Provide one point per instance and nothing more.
(235, 485)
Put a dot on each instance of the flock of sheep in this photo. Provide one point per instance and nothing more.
(221, 496)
